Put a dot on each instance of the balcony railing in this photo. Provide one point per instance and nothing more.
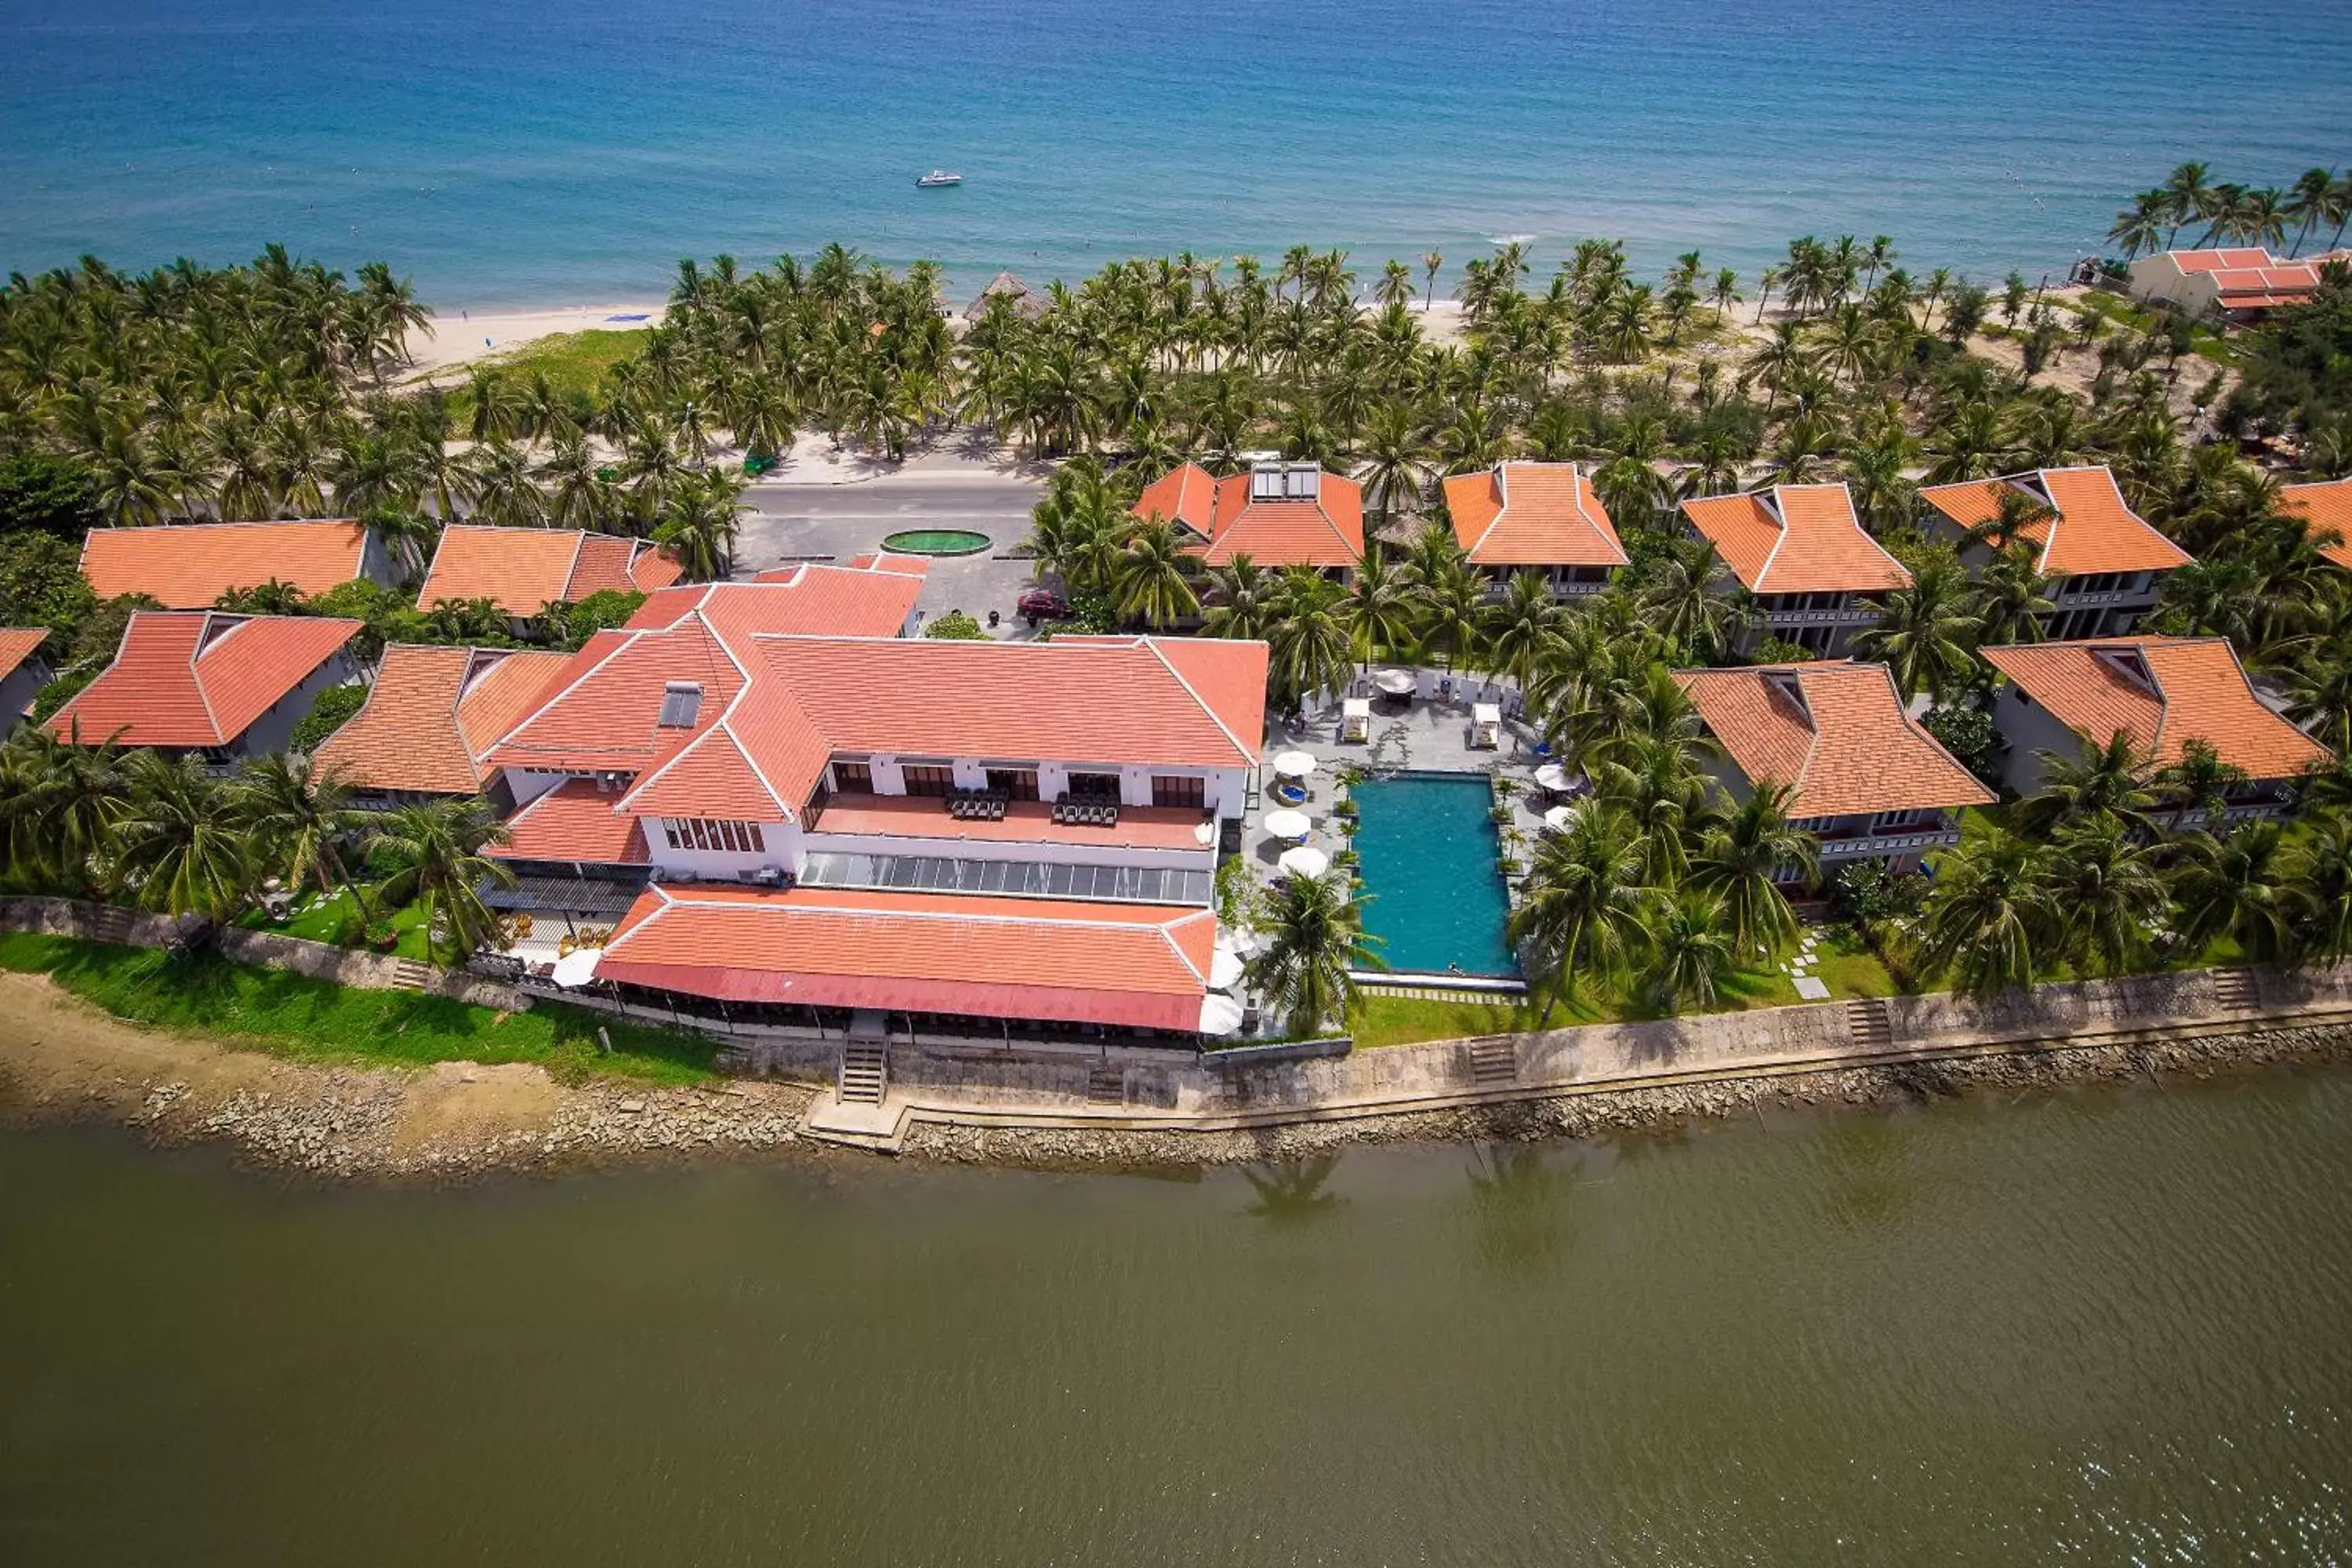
(1844, 616)
(1881, 845)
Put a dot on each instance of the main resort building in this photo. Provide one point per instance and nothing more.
(772, 806)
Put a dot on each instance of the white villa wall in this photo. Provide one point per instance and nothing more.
(2029, 729)
(1224, 792)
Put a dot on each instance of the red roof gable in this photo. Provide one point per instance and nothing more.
(2163, 692)
(189, 566)
(2091, 528)
(431, 714)
(1532, 514)
(1326, 528)
(1835, 731)
(18, 644)
(199, 678)
(574, 821)
(1796, 539)
(2327, 511)
(1134, 965)
(525, 569)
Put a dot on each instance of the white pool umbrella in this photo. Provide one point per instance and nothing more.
(1288, 824)
(1219, 1014)
(1206, 834)
(578, 967)
(1225, 969)
(1397, 682)
(1304, 861)
(1553, 777)
(1295, 764)
(1560, 818)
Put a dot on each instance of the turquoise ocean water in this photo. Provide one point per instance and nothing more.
(533, 153)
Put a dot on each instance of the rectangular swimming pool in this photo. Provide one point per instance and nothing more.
(1432, 875)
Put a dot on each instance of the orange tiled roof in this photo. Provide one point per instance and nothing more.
(432, 713)
(574, 821)
(603, 710)
(1135, 965)
(199, 678)
(524, 569)
(1328, 531)
(1796, 539)
(18, 644)
(2163, 692)
(189, 566)
(2221, 260)
(2091, 527)
(1532, 514)
(2324, 509)
(1835, 731)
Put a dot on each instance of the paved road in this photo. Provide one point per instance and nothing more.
(795, 520)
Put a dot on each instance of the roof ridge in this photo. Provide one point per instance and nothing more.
(1214, 717)
(628, 639)
(195, 676)
(571, 572)
(1780, 523)
(1502, 507)
(1167, 930)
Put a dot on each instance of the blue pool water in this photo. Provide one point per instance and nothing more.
(1430, 866)
(535, 154)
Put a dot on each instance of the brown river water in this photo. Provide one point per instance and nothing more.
(2090, 1329)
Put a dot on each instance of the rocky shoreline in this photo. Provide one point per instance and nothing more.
(60, 1058)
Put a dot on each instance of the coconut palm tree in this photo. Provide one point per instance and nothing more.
(2012, 598)
(2102, 885)
(1312, 645)
(61, 806)
(1683, 604)
(1986, 913)
(1926, 633)
(1584, 908)
(2106, 780)
(698, 525)
(1153, 580)
(1384, 610)
(2244, 887)
(2322, 866)
(437, 847)
(1691, 951)
(1239, 600)
(296, 821)
(1316, 938)
(183, 854)
(1524, 629)
(1744, 858)
(1655, 782)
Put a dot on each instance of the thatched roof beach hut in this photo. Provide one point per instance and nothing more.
(1004, 285)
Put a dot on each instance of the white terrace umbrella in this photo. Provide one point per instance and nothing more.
(1288, 824)
(1304, 861)
(1295, 764)
(1553, 777)
(578, 967)
(1397, 682)
(1225, 969)
(1560, 818)
(1219, 1014)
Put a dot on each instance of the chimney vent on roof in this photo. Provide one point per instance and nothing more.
(681, 704)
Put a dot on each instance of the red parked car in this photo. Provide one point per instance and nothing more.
(1042, 605)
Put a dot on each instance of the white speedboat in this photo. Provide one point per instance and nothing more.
(940, 177)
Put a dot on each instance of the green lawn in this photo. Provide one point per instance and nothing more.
(573, 361)
(317, 1020)
(2203, 340)
(1849, 967)
(324, 921)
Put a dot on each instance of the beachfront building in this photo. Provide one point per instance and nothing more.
(209, 684)
(1867, 781)
(2109, 563)
(2237, 284)
(430, 718)
(1802, 559)
(524, 570)
(22, 672)
(1277, 514)
(2164, 693)
(188, 566)
(1536, 516)
(2325, 508)
(828, 820)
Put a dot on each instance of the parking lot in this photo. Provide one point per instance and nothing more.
(797, 519)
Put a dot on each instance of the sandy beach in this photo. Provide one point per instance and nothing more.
(459, 336)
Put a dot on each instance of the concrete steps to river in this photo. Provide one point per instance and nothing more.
(865, 1072)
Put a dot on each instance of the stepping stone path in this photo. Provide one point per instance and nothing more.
(1813, 990)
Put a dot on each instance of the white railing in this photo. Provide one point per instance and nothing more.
(1906, 842)
(1851, 615)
